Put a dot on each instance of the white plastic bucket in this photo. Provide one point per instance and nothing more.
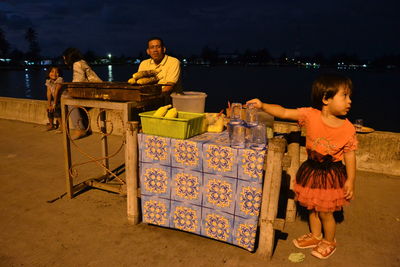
(189, 101)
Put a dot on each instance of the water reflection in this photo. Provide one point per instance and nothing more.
(28, 91)
(110, 73)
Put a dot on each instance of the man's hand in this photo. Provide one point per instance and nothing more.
(167, 88)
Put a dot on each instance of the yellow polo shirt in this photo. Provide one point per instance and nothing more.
(170, 70)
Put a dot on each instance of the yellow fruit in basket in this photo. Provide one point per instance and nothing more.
(172, 113)
(132, 81)
(161, 111)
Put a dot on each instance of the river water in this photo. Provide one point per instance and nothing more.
(375, 97)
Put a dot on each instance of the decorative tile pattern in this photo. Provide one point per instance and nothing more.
(156, 149)
(201, 185)
(186, 186)
(219, 160)
(186, 154)
(155, 211)
(244, 233)
(186, 217)
(217, 225)
(219, 192)
(250, 165)
(155, 179)
(248, 200)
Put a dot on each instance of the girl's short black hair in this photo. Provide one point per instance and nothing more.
(60, 74)
(72, 55)
(326, 86)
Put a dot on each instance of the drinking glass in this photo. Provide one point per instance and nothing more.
(238, 138)
(259, 140)
(236, 112)
(358, 124)
(251, 115)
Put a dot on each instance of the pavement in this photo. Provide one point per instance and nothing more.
(92, 228)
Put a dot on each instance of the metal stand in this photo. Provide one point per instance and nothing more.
(108, 175)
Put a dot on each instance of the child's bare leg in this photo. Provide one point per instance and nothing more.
(315, 223)
(50, 126)
(59, 121)
(329, 224)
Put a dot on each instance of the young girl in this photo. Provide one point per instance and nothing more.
(53, 85)
(82, 72)
(323, 184)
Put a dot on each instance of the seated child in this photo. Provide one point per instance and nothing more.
(53, 85)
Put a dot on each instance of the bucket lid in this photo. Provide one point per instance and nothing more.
(189, 94)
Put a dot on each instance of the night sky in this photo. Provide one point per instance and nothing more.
(367, 28)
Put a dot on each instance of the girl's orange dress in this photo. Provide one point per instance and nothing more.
(320, 179)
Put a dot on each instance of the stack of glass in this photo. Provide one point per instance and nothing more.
(247, 132)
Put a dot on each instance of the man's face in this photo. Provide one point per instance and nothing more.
(155, 50)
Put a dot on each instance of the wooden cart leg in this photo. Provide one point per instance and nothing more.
(131, 167)
(270, 198)
(104, 141)
(67, 149)
(294, 153)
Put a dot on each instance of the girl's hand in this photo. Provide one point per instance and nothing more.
(349, 190)
(256, 102)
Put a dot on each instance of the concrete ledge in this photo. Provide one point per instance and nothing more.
(26, 110)
(34, 111)
(378, 151)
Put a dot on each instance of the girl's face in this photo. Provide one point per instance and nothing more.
(340, 104)
(53, 74)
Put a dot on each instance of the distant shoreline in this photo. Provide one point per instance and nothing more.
(345, 67)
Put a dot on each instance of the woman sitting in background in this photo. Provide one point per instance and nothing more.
(81, 72)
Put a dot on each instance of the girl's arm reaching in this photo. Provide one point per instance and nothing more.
(350, 161)
(275, 110)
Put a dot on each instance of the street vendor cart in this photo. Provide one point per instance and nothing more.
(235, 198)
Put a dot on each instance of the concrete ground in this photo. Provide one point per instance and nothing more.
(92, 228)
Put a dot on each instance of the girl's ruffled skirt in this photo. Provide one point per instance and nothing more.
(319, 184)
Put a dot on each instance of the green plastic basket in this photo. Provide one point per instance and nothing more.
(185, 126)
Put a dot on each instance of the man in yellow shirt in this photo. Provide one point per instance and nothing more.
(170, 67)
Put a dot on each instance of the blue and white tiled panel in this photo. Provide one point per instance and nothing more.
(229, 228)
(222, 203)
(199, 220)
(244, 164)
(194, 202)
(172, 152)
(171, 183)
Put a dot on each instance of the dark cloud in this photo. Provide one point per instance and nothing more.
(366, 27)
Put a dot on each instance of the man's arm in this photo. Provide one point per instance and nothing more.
(172, 74)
